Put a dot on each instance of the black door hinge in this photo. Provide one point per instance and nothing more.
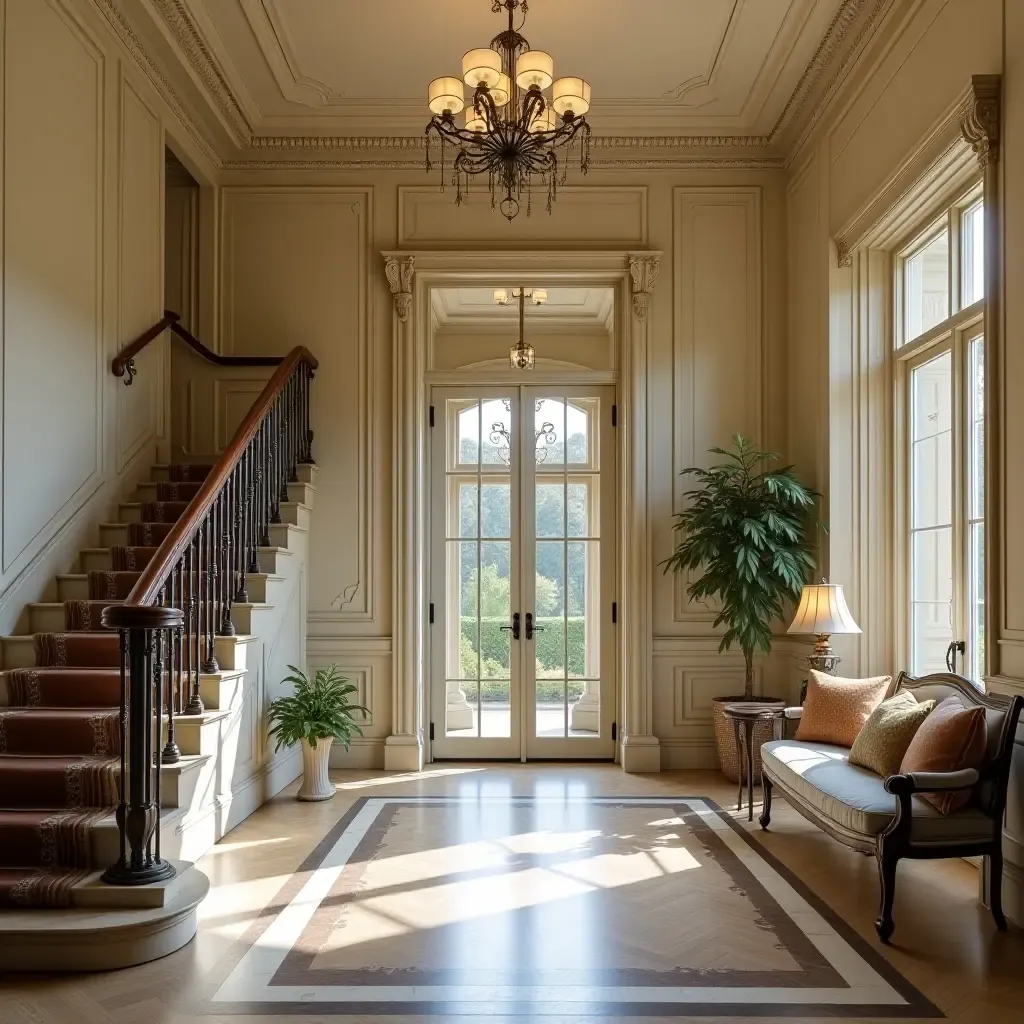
(431, 415)
(615, 611)
(431, 730)
(615, 731)
(615, 415)
(431, 612)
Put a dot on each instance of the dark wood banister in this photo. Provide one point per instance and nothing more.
(146, 592)
(124, 361)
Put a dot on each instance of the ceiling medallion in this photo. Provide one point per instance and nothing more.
(522, 355)
(513, 129)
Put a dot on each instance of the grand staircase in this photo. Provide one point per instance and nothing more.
(60, 691)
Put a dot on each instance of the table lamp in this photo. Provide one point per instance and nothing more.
(822, 612)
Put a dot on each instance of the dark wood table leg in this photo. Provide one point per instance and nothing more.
(739, 764)
(750, 770)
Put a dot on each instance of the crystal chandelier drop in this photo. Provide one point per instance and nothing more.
(521, 356)
(516, 121)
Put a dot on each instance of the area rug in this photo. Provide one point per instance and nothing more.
(594, 907)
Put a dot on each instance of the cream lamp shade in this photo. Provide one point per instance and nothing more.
(545, 121)
(535, 69)
(474, 123)
(481, 67)
(445, 94)
(571, 94)
(823, 611)
(501, 92)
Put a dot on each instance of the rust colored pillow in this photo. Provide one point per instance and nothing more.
(835, 709)
(951, 738)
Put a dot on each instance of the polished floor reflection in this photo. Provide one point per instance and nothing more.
(556, 893)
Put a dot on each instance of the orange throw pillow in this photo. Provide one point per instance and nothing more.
(951, 738)
(835, 709)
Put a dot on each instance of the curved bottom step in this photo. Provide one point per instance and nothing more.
(100, 940)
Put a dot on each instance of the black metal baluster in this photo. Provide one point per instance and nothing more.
(208, 533)
(242, 507)
(171, 753)
(195, 701)
(293, 429)
(266, 505)
(227, 626)
(155, 765)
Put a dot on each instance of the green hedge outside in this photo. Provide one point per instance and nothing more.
(494, 644)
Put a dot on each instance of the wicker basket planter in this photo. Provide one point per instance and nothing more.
(725, 736)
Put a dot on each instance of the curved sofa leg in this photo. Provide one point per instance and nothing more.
(887, 879)
(764, 820)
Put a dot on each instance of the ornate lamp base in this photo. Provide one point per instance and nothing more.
(822, 659)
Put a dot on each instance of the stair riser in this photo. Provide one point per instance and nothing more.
(220, 692)
(196, 736)
(271, 560)
(250, 619)
(20, 652)
(297, 515)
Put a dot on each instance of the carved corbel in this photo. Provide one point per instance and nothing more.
(643, 269)
(844, 254)
(399, 271)
(980, 122)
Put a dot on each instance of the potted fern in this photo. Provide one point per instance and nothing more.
(745, 528)
(315, 715)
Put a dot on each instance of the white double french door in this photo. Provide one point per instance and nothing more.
(522, 572)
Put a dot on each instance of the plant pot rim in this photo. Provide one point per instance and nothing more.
(749, 700)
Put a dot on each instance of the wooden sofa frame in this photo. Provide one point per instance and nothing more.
(894, 842)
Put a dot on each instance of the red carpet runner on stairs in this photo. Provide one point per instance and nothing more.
(59, 740)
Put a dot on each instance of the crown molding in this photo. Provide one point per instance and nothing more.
(133, 45)
(186, 35)
(847, 33)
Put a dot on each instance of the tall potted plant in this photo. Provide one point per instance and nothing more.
(315, 715)
(745, 528)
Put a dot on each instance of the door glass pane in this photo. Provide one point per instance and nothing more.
(972, 234)
(568, 580)
(975, 662)
(478, 544)
(926, 286)
(931, 548)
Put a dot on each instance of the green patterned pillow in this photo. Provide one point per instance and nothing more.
(887, 733)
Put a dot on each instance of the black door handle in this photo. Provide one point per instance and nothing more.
(515, 625)
(955, 648)
(530, 627)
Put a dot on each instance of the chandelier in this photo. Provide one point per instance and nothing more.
(521, 355)
(512, 129)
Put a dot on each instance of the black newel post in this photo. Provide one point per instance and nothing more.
(143, 631)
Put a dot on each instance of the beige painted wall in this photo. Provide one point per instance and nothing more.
(301, 265)
(82, 271)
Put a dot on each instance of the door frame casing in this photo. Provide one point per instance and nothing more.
(411, 276)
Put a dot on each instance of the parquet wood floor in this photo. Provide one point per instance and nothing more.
(945, 944)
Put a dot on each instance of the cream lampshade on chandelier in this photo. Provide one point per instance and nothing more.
(516, 121)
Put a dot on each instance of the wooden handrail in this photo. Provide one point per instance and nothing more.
(124, 361)
(146, 591)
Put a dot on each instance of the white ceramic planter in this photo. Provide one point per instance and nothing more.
(316, 785)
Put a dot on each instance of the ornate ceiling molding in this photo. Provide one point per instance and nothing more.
(669, 163)
(829, 65)
(847, 32)
(131, 42)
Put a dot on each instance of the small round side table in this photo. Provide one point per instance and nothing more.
(748, 715)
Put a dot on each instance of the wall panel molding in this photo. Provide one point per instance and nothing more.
(295, 271)
(603, 217)
(718, 344)
(52, 246)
